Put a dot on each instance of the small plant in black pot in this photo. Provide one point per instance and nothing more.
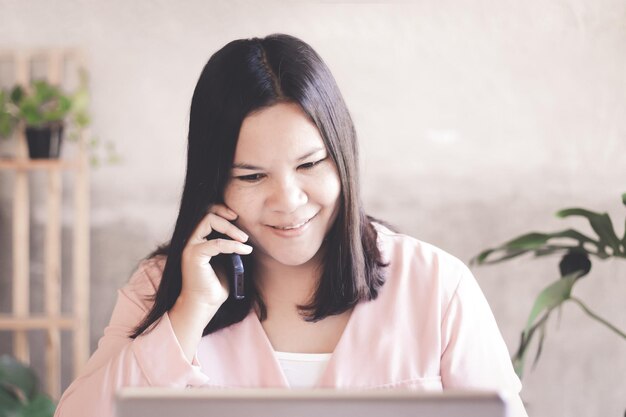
(43, 108)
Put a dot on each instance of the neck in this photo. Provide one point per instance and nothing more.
(284, 287)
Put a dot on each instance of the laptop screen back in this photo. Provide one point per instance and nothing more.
(162, 402)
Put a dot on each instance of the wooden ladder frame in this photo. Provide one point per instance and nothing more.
(52, 321)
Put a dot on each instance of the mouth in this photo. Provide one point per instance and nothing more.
(293, 226)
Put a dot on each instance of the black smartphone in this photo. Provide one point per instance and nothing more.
(232, 263)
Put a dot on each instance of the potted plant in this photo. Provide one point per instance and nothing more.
(576, 250)
(48, 115)
(43, 108)
(19, 391)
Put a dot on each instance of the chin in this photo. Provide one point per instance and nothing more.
(292, 259)
(291, 256)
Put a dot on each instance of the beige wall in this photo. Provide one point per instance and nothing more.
(477, 122)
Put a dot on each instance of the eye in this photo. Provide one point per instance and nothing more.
(310, 165)
(250, 178)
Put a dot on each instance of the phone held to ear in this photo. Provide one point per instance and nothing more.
(233, 265)
(237, 276)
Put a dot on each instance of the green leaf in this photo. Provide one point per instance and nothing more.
(528, 241)
(40, 406)
(17, 94)
(600, 223)
(14, 373)
(7, 124)
(520, 356)
(549, 250)
(542, 337)
(9, 404)
(552, 296)
(534, 242)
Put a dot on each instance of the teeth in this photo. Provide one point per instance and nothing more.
(291, 227)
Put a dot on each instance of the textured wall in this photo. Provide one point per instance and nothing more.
(477, 122)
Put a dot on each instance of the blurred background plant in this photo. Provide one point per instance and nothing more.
(19, 391)
(577, 250)
(42, 104)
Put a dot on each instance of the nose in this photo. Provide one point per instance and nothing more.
(286, 196)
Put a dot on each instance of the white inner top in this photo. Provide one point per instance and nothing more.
(302, 370)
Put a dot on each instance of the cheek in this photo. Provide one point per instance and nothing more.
(329, 189)
(241, 201)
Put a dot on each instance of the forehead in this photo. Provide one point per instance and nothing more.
(281, 131)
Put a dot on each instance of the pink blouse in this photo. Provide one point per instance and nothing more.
(429, 329)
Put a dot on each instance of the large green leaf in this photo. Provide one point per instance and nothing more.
(18, 375)
(552, 296)
(534, 242)
(531, 240)
(40, 406)
(600, 223)
(9, 404)
(527, 336)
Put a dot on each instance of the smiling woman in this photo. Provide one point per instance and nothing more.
(333, 298)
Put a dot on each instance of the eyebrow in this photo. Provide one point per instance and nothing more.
(255, 168)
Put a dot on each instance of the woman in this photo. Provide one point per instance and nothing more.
(333, 298)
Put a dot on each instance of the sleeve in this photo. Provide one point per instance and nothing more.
(474, 355)
(154, 358)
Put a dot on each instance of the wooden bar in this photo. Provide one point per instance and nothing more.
(52, 250)
(81, 247)
(55, 66)
(81, 260)
(11, 322)
(21, 256)
(52, 281)
(26, 164)
(21, 229)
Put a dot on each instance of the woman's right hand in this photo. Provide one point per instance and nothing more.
(201, 283)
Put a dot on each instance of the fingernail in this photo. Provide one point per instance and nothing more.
(248, 248)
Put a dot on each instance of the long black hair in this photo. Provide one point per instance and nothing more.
(245, 76)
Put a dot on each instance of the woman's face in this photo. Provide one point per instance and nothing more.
(283, 185)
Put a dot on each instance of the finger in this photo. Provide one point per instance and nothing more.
(212, 221)
(222, 210)
(223, 226)
(215, 247)
(202, 229)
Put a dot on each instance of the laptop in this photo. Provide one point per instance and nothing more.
(205, 402)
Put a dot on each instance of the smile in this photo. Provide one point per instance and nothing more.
(292, 230)
(292, 227)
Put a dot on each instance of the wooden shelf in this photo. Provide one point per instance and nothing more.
(25, 164)
(51, 321)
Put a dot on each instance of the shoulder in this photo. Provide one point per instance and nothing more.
(419, 267)
(412, 252)
(147, 276)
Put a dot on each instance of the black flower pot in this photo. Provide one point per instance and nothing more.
(44, 142)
